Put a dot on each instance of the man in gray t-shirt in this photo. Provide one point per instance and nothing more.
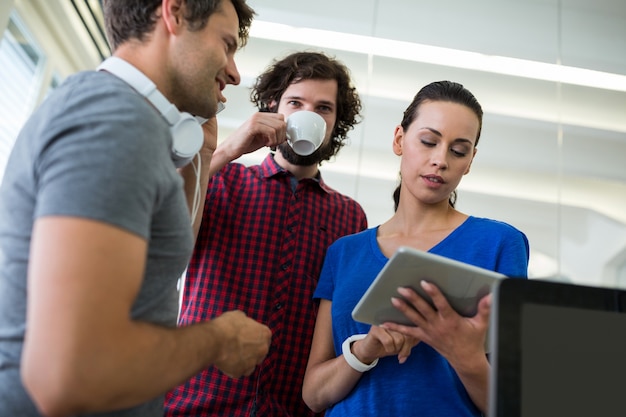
(95, 227)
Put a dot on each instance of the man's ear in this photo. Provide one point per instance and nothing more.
(398, 137)
(172, 15)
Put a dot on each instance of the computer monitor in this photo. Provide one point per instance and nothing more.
(557, 350)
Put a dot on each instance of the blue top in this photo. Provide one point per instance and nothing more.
(425, 385)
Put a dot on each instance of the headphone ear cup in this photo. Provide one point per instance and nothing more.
(187, 135)
(187, 139)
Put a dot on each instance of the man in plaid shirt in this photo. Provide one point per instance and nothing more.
(263, 237)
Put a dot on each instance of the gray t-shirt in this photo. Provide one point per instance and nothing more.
(94, 149)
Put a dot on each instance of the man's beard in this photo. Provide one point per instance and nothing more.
(322, 153)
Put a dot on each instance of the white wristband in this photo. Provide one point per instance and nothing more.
(352, 360)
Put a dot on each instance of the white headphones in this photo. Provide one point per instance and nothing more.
(187, 136)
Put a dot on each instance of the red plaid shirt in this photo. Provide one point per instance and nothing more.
(260, 250)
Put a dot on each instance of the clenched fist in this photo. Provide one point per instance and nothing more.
(244, 344)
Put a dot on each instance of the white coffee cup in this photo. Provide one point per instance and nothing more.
(305, 131)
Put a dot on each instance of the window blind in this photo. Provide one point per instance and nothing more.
(21, 67)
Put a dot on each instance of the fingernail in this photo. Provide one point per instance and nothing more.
(402, 290)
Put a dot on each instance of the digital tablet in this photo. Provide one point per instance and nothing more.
(462, 284)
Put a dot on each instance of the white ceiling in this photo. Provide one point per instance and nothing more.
(551, 156)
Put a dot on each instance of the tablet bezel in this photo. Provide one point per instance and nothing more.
(509, 298)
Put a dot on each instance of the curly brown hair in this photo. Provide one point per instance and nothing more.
(135, 19)
(273, 82)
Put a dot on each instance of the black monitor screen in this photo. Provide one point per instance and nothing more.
(557, 350)
(573, 362)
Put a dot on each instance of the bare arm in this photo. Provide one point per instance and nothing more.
(83, 353)
(459, 339)
(261, 129)
(328, 378)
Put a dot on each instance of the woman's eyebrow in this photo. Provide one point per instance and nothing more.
(438, 133)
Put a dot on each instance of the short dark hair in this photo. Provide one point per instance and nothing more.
(135, 19)
(273, 82)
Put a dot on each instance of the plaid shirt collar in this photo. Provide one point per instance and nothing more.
(270, 168)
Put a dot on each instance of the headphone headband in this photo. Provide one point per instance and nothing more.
(187, 136)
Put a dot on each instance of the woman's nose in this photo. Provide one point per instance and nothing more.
(439, 160)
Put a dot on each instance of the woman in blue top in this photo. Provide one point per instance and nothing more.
(438, 368)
